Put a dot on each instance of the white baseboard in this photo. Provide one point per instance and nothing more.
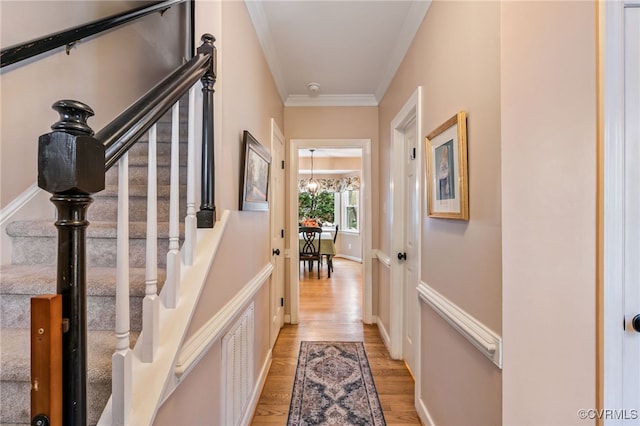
(385, 335)
(32, 204)
(344, 256)
(257, 390)
(21, 202)
(423, 413)
(287, 319)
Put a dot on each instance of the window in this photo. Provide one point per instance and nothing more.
(350, 210)
(318, 206)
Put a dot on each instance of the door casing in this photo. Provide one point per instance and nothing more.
(277, 199)
(365, 214)
(612, 200)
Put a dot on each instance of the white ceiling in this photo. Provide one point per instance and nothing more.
(351, 48)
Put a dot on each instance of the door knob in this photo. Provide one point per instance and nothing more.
(635, 322)
(402, 256)
(276, 252)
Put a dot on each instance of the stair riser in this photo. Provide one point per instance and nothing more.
(163, 151)
(16, 400)
(100, 251)
(138, 175)
(163, 132)
(101, 313)
(105, 208)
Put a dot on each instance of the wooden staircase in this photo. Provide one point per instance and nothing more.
(33, 272)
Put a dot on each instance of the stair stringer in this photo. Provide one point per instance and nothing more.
(33, 204)
(149, 380)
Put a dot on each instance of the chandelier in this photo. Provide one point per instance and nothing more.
(312, 185)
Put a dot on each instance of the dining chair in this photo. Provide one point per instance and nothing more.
(310, 246)
(330, 257)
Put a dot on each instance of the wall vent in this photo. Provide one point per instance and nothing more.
(237, 366)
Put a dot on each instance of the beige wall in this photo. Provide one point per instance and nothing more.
(455, 57)
(204, 407)
(382, 276)
(549, 209)
(247, 99)
(199, 393)
(236, 263)
(349, 245)
(132, 59)
(333, 123)
(329, 163)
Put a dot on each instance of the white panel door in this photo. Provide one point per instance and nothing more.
(631, 340)
(411, 241)
(277, 208)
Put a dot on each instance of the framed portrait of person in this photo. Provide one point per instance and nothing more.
(447, 174)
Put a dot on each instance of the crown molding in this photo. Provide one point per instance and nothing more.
(263, 32)
(330, 100)
(411, 25)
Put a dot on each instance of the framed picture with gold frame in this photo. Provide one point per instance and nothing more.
(447, 173)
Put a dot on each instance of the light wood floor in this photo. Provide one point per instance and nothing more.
(330, 309)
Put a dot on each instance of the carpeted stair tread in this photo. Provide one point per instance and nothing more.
(34, 241)
(41, 279)
(96, 229)
(16, 348)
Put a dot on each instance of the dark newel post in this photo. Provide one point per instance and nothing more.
(207, 214)
(71, 167)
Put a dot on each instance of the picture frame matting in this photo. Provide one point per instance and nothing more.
(447, 171)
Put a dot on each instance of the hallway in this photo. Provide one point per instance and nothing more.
(330, 309)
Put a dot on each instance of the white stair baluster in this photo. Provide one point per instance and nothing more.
(122, 358)
(151, 302)
(173, 256)
(190, 221)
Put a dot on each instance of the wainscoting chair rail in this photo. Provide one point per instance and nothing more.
(478, 334)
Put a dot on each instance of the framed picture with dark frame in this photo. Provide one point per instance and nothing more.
(447, 175)
(254, 187)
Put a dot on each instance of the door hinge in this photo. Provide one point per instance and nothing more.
(282, 164)
(282, 233)
(413, 153)
(282, 301)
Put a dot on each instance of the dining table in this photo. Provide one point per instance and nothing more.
(327, 247)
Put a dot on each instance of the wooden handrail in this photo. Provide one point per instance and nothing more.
(20, 52)
(119, 135)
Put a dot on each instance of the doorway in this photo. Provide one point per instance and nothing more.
(277, 212)
(365, 228)
(406, 137)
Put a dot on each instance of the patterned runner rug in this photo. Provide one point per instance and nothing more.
(334, 386)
